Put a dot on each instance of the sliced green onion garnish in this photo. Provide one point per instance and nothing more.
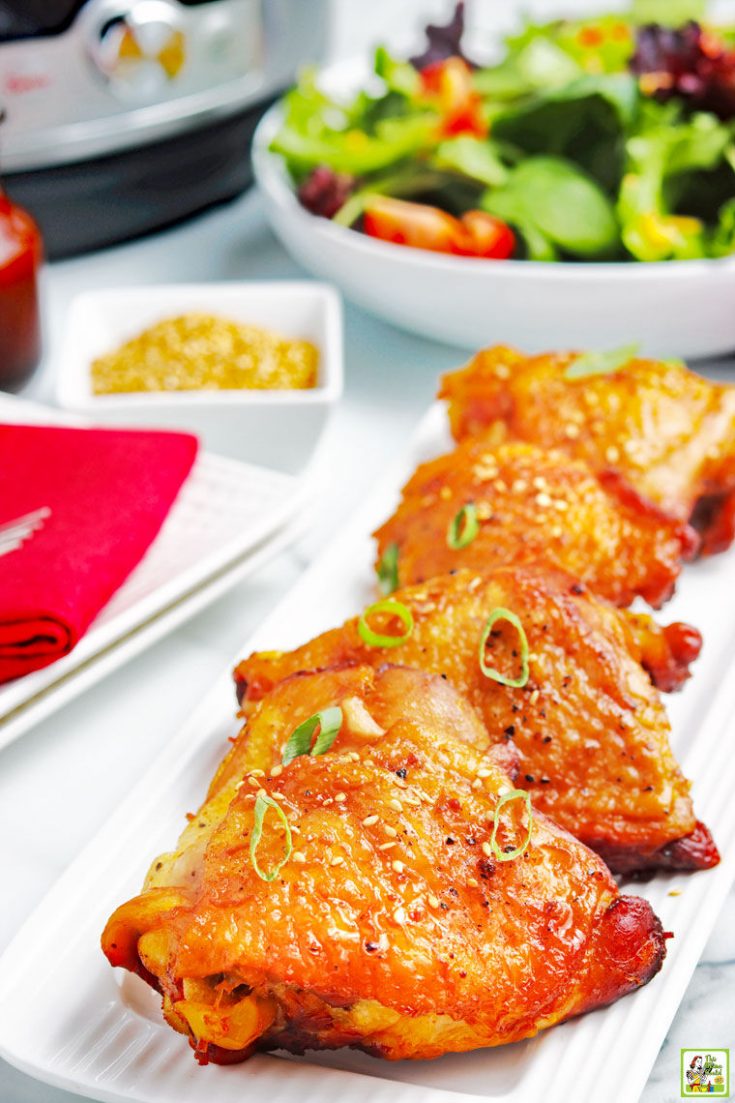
(396, 609)
(489, 671)
(463, 528)
(509, 855)
(262, 804)
(600, 363)
(388, 570)
(329, 721)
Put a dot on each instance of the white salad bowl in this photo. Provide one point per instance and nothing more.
(672, 308)
(276, 428)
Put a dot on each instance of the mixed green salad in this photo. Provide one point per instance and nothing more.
(609, 138)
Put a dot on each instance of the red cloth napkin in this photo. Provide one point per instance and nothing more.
(84, 504)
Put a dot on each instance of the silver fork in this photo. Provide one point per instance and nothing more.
(13, 534)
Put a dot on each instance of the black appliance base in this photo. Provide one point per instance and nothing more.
(94, 203)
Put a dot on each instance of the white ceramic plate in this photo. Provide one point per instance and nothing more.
(676, 308)
(278, 429)
(68, 1019)
(228, 519)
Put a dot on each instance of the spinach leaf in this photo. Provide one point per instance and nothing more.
(556, 206)
(584, 122)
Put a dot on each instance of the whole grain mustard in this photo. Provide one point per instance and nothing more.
(206, 352)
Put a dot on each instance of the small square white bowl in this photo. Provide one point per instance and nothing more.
(276, 428)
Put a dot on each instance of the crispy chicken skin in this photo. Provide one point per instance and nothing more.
(662, 429)
(534, 506)
(590, 728)
(393, 927)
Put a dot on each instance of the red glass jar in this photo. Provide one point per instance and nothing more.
(20, 322)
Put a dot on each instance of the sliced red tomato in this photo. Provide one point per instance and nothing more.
(490, 236)
(476, 234)
(448, 85)
(414, 224)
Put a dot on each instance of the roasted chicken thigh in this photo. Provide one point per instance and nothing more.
(421, 906)
(591, 730)
(483, 507)
(665, 431)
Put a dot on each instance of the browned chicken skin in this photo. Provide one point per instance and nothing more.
(590, 728)
(394, 926)
(665, 431)
(527, 505)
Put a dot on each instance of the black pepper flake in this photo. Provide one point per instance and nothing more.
(371, 947)
(577, 588)
(546, 739)
(486, 867)
(648, 789)
(510, 730)
(402, 772)
(530, 779)
(450, 840)
(546, 781)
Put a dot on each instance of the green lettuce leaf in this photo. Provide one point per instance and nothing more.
(398, 75)
(670, 13)
(661, 157)
(476, 158)
(539, 64)
(597, 45)
(319, 130)
(723, 241)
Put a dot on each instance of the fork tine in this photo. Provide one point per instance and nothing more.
(27, 521)
(13, 534)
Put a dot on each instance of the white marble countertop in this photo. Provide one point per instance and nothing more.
(59, 782)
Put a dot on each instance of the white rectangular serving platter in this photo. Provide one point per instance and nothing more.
(228, 519)
(68, 1019)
